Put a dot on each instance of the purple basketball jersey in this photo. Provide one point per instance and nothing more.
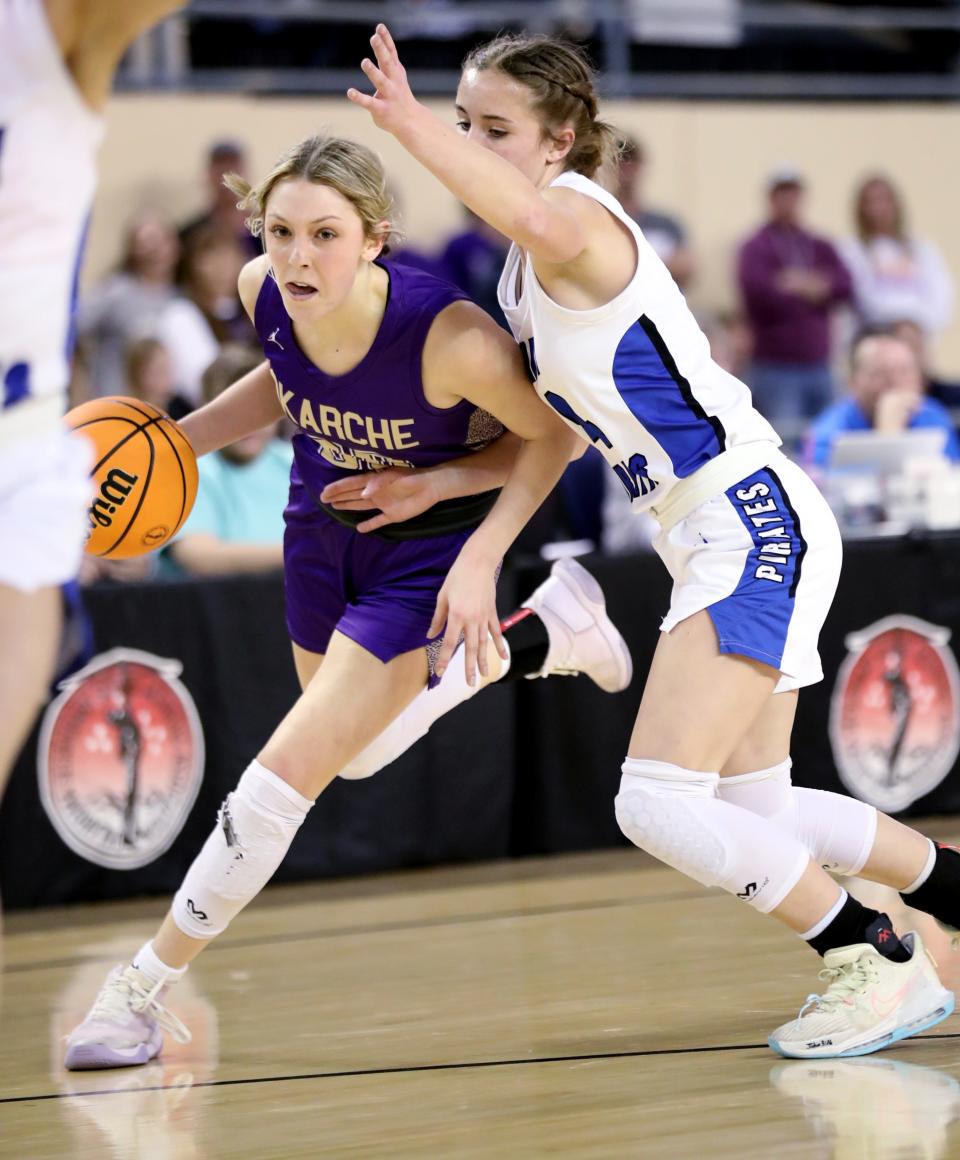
(375, 415)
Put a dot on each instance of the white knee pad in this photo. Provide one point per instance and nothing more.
(839, 831)
(675, 815)
(255, 827)
(653, 810)
(415, 721)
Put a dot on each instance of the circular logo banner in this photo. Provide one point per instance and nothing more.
(895, 712)
(121, 758)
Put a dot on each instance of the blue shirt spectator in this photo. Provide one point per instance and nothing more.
(886, 396)
(237, 521)
(847, 415)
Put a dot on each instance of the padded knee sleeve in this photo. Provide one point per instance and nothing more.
(675, 815)
(767, 792)
(415, 721)
(255, 827)
(838, 831)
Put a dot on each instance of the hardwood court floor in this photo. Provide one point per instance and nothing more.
(590, 1006)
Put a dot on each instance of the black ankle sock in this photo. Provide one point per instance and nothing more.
(940, 894)
(529, 643)
(856, 924)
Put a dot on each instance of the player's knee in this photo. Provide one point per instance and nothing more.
(656, 809)
(255, 826)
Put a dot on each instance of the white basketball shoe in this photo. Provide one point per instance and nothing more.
(583, 639)
(125, 1025)
(870, 1003)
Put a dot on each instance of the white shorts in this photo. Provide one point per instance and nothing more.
(763, 558)
(45, 492)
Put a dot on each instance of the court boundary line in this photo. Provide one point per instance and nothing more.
(381, 927)
(406, 1069)
(420, 1068)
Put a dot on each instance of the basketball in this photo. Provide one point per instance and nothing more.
(145, 473)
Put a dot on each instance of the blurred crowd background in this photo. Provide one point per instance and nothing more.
(793, 166)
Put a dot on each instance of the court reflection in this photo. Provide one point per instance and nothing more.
(152, 1112)
(875, 1107)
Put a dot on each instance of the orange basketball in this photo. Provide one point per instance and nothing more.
(145, 473)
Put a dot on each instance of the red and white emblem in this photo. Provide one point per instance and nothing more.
(121, 758)
(895, 712)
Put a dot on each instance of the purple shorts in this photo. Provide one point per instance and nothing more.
(382, 594)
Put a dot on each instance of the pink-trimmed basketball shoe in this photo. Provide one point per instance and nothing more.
(870, 1003)
(125, 1025)
(583, 639)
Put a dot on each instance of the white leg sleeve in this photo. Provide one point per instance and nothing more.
(839, 831)
(675, 815)
(255, 827)
(415, 721)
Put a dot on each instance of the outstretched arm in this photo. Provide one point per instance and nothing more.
(248, 405)
(548, 224)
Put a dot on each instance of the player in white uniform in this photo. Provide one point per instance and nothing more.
(57, 60)
(752, 547)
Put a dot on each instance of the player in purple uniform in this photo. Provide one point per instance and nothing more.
(381, 370)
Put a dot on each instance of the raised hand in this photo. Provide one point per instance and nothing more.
(392, 100)
(397, 493)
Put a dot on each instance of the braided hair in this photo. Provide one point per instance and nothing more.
(563, 88)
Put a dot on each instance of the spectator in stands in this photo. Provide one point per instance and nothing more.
(791, 281)
(150, 377)
(125, 305)
(886, 396)
(943, 390)
(221, 214)
(665, 233)
(208, 312)
(896, 277)
(237, 521)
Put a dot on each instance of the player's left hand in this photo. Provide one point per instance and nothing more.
(393, 101)
(467, 604)
(397, 493)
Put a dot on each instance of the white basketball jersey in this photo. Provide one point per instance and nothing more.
(48, 145)
(635, 375)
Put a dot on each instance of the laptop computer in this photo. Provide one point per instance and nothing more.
(885, 454)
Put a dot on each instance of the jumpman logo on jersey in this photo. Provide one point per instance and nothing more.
(273, 337)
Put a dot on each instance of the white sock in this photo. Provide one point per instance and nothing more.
(924, 873)
(821, 926)
(153, 969)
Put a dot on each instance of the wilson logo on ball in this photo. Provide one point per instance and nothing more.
(113, 494)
